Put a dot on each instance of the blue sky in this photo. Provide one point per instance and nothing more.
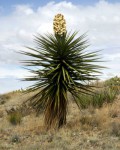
(21, 19)
(7, 5)
(43, 2)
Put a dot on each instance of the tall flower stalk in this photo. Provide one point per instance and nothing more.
(63, 66)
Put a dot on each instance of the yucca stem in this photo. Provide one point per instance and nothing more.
(55, 116)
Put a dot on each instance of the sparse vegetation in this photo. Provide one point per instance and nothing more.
(113, 83)
(90, 128)
(4, 98)
(115, 128)
(98, 98)
(15, 118)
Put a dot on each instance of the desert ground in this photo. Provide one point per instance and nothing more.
(86, 129)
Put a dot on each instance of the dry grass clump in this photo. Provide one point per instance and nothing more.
(115, 128)
(4, 98)
(114, 110)
(15, 118)
(1, 113)
(97, 120)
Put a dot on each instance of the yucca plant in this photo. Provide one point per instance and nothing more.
(63, 66)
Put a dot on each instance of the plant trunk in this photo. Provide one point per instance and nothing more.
(55, 113)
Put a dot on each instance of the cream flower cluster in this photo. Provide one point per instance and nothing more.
(59, 24)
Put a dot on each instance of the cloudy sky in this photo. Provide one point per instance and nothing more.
(21, 19)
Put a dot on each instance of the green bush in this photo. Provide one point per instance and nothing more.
(15, 118)
(99, 98)
(105, 95)
(110, 95)
(85, 100)
(113, 81)
(114, 84)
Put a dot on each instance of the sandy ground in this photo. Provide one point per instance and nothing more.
(88, 129)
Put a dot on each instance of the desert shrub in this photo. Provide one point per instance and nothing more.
(4, 98)
(1, 113)
(89, 120)
(101, 96)
(98, 98)
(114, 113)
(15, 118)
(110, 95)
(113, 83)
(15, 139)
(85, 100)
(115, 128)
(107, 95)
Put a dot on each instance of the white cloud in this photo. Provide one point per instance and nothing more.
(13, 73)
(102, 21)
(113, 57)
(24, 9)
